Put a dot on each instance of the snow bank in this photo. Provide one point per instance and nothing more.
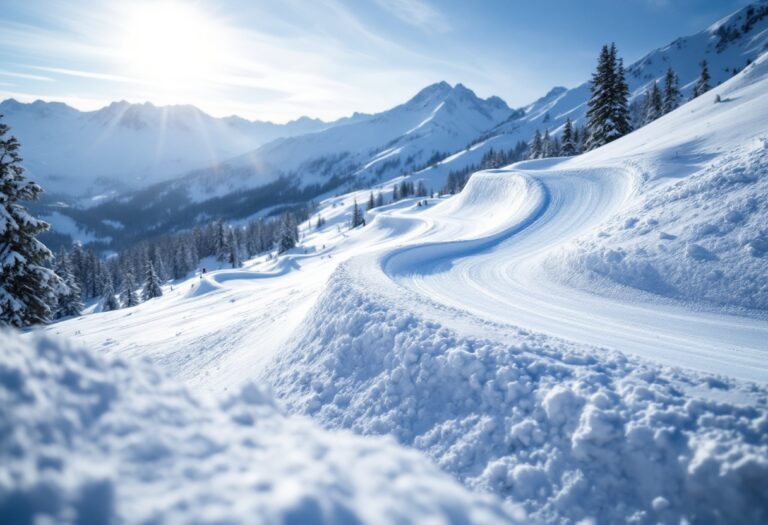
(570, 434)
(698, 229)
(85, 439)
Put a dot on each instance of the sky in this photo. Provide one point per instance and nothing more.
(281, 59)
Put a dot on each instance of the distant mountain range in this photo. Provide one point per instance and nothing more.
(129, 146)
(176, 166)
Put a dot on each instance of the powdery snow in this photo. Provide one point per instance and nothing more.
(86, 439)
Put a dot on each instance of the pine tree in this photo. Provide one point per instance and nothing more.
(129, 297)
(69, 294)
(671, 92)
(608, 113)
(371, 202)
(151, 287)
(379, 200)
(702, 84)
(395, 193)
(654, 105)
(536, 148)
(27, 287)
(288, 233)
(568, 148)
(358, 219)
(421, 189)
(234, 252)
(109, 302)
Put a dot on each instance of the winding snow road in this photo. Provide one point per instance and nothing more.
(501, 276)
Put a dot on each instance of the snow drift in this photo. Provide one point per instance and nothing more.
(84, 439)
(568, 433)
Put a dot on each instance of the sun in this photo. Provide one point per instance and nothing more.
(171, 45)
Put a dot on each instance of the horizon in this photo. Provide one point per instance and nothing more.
(385, 51)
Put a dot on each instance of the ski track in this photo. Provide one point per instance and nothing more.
(502, 278)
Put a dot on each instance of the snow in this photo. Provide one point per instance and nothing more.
(94, 440)
(583, 337)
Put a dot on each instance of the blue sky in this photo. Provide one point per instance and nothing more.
(280, 59)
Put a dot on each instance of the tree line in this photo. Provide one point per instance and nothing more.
(609, 115)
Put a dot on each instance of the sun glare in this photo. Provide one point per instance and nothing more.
(171, 45)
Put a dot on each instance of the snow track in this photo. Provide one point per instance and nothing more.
(503, 278)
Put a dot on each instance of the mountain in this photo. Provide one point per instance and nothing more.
(128, 146)
(443, 128)
(360, 150)
(728, 46)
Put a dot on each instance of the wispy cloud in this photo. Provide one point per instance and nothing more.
(86, 74)
(419, 13)
(26, 76)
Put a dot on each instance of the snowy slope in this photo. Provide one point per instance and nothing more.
(126, 146)
(92, 440)
(727, 45)
(472, 345)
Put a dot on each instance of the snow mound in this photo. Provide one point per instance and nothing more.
(697, 230)
(568, 433)
(703, 238)
(85, 439)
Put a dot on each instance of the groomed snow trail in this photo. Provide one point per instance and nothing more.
(506, 281)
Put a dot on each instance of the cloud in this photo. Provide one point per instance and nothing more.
(25, 76)
(418, 13)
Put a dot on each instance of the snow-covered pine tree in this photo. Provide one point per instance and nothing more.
(395, 193)
(621, 100)
(547, 148)
(69, 295)
(671, 91)
(654, 105)
(358, 219)
(371, 202)
(288, 234)
(568, 147)
(109, 301)
(379, 199)
(27, 287)
(536, 148)
(702, 84)
(608, 113)
(129, 297)
(151, 287)
(421, 189)
(234, 251)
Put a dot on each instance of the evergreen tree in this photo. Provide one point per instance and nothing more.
(27, 287)
(69, 295)
(289, 233)
(671, 91)
(421, 189)
(371, 202)
(358, 219)
(129, 297)
(109, 301)
(654, 104)
(151, 287)
(702, 84)
(608, 113)
(536, 148)
(568, 148)
(395, 193)
(234, 252)
(379, 199)
(547, 146)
